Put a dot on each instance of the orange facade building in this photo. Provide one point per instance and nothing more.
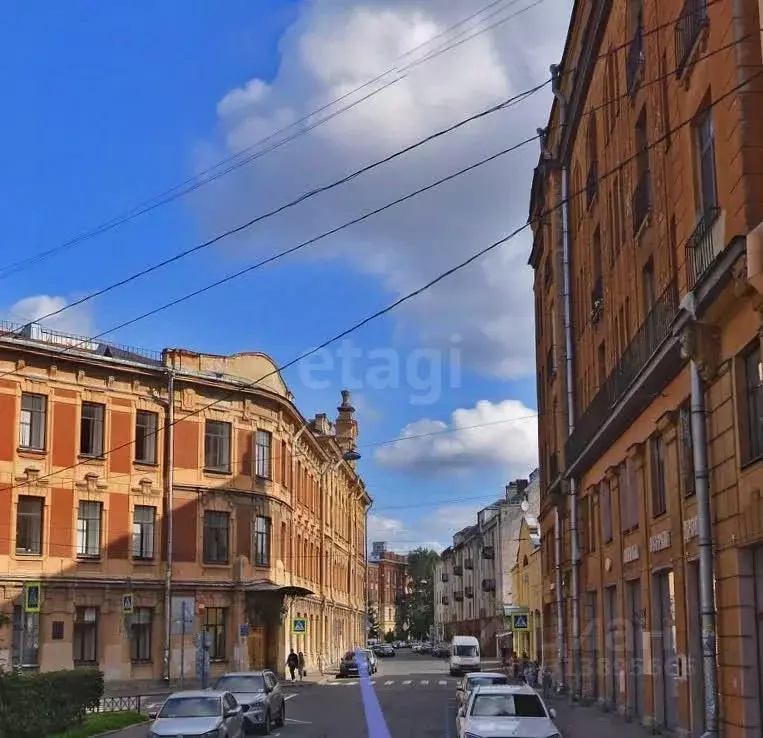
(266, 537)
(651, 276)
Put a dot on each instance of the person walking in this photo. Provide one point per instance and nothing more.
(301, 665)
(292, 662)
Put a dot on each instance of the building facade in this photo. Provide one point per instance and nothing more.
(144, 499)
(647, 304)
(473, 582)
(527, 592)
(389, 585)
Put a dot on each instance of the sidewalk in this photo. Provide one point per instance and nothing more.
(577, 721)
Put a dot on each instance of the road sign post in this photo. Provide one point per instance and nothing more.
(299, 626)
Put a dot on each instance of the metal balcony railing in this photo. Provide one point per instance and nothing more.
(693, 19)
(642, 201)
(592, 183)
(653, 331)
(634, 62)
(701, 248)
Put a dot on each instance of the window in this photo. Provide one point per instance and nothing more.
(33, 421)
(217, 436)
(686, 450)
(89, 530)
(264, 454)
(91, 429)
(143, 531)
(629, 498)
(29, 525)
(216, 525)
(140, 634)
(753, 373)
(145, 436)
(659, 502)
(665, 75)
(85, 636)
(706, 174)
(606, 512)
(261, 541)
(214, 624)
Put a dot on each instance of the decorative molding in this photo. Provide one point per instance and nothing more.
(31, 477)
(110, 381)
(80, 376)
(635, 451)
(701, 343)
(20, 365)
(52, 371)
(742, 288)
(666, 425)
(146, 488)
(91, 483)
(611, 473)
(188, 399)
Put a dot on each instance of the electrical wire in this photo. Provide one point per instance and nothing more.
(506, 104)
(194, 183)
(420, 290)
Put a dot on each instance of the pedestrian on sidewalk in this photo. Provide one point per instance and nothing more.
(547, 682)
(292, 662)
(301, 665)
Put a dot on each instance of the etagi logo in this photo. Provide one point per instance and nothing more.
(424, 373)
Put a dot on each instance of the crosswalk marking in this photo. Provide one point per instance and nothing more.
(425, 681)
(389, 682)
(447, 683)
(442, 682)
(407, 682)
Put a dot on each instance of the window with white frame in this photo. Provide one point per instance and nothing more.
(29, 520)
(89, 519)
(33, 421)
(85, 636)
(140, 634)
(91, 435)
(146, 424)
(143, 532)
(217, 437)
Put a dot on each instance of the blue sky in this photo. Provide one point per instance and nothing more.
(111, 104)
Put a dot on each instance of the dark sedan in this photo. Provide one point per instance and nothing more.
(348, 666)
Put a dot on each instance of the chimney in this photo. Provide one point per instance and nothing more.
(321, 424)
(346, 425)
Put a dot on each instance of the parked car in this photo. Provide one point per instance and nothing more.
(207, 712)
(384, 650)
(260, 697)
(348, 666)
(373, 667)
(478, 679)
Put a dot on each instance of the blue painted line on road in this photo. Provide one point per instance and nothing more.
(376, 725)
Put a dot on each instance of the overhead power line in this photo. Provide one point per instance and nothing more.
(508, 103)
(424, 288)
(250, 153)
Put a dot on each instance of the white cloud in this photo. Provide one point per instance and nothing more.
(77, 320)
(430, 529)
(335, 46)
(500, 435)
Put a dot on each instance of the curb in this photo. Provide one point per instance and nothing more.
(120, 730)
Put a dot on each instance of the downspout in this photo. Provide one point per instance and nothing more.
(169, 437)
(570, 388)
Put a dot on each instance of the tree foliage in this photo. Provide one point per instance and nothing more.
(374, 631)
(420, 602)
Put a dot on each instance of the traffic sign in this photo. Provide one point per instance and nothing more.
(299, 625)
(520, 621)
(32, 597)
(127, 604)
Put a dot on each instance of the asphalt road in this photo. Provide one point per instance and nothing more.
(411, 696)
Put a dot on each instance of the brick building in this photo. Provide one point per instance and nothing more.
(388, 584)
(650, 280)
(268, 511)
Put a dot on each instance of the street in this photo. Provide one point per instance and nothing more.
(417, 699)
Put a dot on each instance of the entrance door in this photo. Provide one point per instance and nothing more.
(635, 647)
(664, 594)
(592, 638)
(694, 669)
(257, 647)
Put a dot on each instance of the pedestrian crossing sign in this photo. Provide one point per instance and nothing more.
(299, 625)
(127, 604)
(519, 621)
(32, 597)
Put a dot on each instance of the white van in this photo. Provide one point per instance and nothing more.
(464, 655)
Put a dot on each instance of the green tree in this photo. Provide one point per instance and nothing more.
(420, 601)
(374, 631)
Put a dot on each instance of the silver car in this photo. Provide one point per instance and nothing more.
(501, 710)
(206, 714)
(477, 679)
(260, 697)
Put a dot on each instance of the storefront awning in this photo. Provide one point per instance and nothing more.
(284, 590)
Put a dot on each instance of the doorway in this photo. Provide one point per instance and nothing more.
(694, 639)
(666, 682)
(610, 645)
(634, 647)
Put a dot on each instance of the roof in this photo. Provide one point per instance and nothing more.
(507, 689)
(197, 693)
(489, 674)
(254, 672)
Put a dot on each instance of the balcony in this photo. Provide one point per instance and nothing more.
(704, 244)
(458, 596)
(550, 363)
(445, 600)
(642, 201)
(592, 183)
(458, 570)
(443, 577)
(488, 552)
(597, 301)
(688, 30)
(653, 331)
(634, 62)
(468, 564)
(488, 585)
(469, 592)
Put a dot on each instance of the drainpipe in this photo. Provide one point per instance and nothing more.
(170, 496)
(570, 387)
(706, 574)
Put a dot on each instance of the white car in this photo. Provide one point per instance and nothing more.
(477, 679)
(497, 711)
